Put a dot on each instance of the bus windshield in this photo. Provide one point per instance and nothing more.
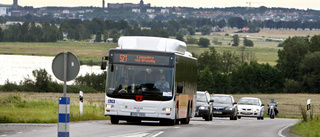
(152, 83)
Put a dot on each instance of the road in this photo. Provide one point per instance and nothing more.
(219, 127)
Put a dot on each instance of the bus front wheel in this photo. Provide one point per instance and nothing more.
(114, 120)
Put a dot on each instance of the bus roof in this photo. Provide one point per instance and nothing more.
(152, 43)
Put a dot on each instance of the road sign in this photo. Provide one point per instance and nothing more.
(72, 64)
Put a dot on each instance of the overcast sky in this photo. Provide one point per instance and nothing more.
(298, 4)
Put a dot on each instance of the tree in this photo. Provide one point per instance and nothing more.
(310, 72)
(248, 43)
(256, 78)
(235, 40)
(205, 82)
(205, 30)
(204, 42)
(221, 23)
(180, 37)
(211, 59)
(98, 36)
(1, 34)
(191, 30)
(294, 50)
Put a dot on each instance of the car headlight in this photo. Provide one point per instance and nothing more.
(109, 106)
(166, 109)
(257, 109)
(228, 108)
(202, 107)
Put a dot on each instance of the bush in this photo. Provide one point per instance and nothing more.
(204, 42)
(191, 40)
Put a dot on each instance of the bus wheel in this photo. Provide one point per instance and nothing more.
(167, 122)
(185, 120)
(114, 120)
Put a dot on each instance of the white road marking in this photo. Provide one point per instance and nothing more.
(137, 134)
(155, 134)
(176, 127)
(280, 131)
(19, 132)
(4, 135)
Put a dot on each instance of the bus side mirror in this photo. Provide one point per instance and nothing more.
(103, 65)
(179, 88)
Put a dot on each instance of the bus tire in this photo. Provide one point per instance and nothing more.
(168, 122)
(114, 120)
(185, 120)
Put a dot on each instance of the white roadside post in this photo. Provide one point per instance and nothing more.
(308, 107)
(81, 103)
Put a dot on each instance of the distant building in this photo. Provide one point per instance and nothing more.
(245, 30)
(151, 10)
(136, 10)
(103, 4)
(128, 5)
(3, 11)
(8, 23)
(15, 13)
(165, 11)
(15, 4)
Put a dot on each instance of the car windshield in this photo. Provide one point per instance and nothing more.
(247, 101)
(222, 99)
(201, 97)
(153, 83)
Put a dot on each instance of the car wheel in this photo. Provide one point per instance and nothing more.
(258, 118)
(262, 118)
(235, 118)
(207, 117)
(239, 117)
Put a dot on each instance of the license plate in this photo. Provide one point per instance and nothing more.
(138, 114)
(217, 112)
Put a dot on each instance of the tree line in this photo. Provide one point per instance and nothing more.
(297, 70)
(84, 29)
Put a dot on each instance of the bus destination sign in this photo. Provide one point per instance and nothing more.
(141, 59)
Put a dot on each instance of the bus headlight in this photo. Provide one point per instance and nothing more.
(202, 107)
(166, 109)
(109, 106)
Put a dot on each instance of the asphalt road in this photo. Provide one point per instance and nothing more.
(219, 127)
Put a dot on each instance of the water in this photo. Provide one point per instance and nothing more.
(16, 68)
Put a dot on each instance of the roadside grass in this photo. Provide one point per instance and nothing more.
(308, 128)
(15, 109)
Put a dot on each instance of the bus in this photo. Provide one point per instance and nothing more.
(150, 78)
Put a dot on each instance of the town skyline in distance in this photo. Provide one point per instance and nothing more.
(297, 4)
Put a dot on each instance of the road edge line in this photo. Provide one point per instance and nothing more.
(280, 131)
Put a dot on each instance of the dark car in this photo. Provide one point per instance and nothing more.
(204, 106)
(224, 106)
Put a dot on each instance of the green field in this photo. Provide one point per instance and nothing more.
(263, 51)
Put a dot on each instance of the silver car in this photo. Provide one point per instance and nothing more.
(250, 107)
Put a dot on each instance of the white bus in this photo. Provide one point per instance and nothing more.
(150, 78)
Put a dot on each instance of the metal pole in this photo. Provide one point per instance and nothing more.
(65, 74)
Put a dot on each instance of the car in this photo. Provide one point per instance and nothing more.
(224, 106)
(250, 107)
(204, 106)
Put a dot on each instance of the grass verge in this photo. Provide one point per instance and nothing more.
(308, 128)
(14, 109)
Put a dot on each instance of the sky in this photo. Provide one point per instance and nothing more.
(297, 4)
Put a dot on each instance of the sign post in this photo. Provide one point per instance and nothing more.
(308, 107)
(81, 103)
(65, 67)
